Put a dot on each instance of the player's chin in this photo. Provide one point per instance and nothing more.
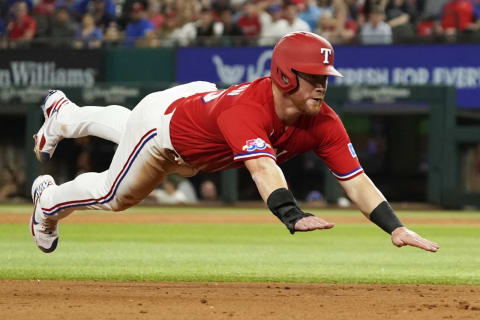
(313, 107)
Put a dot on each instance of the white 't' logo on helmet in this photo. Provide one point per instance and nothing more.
(327, 53)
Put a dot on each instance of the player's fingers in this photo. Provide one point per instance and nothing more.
(422, 243)
(327, 225)
(320, 227)
(415, 241)
(312, 223)
(430, 246)
(319, 223)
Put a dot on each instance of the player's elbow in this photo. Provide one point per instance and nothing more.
(260, 167)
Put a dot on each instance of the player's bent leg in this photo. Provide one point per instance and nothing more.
(137, 168)
(144, 157)
(64, 119)
(139, 165)
(104, 122)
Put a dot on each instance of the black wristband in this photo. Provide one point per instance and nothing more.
(283, 205)
(384, 217)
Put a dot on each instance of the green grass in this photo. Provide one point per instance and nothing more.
(23, 208)
(197, 252)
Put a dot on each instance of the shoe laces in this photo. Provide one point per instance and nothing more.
(49, 225)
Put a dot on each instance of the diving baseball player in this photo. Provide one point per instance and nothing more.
(195, 127)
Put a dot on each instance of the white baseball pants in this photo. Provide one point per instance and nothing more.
(144, 157)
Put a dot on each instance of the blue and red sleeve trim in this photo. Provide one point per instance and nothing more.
(348, 175)
(244, 156)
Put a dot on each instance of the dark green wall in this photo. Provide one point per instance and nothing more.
(139, 65)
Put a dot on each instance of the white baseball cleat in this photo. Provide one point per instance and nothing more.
(44, 230)
(47, 138)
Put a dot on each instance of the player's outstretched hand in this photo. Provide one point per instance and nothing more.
(404, 237)
(312, 223)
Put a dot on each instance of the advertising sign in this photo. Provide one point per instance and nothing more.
(49, 68)
(454, 65)
(222, 65)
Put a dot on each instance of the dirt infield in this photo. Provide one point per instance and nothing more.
(103, 300)
(162, 218)
(133, 300)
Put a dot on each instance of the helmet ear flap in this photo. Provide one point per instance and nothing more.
(281, 75)
(288, 83)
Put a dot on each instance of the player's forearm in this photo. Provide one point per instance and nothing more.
(363, 193)
(273, 188)
(267, 176)
(371, 202)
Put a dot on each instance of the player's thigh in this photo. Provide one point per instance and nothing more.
(138, 165)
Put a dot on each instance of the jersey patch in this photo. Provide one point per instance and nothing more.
(352, 150)
(255, 144)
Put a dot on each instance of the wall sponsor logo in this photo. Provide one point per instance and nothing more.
(111, 95)
(45, 74)
(378, 95)
(24, 95)
(361, 66)
(235, 73)
(104, 95)
(458, 77)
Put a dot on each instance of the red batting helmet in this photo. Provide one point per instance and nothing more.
(305, 52)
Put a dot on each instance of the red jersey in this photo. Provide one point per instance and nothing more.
(250, 25)
(19, 28)
(221, 129)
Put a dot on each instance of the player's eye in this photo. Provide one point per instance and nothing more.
(310, 77)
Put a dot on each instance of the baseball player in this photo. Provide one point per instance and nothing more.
(195, 127)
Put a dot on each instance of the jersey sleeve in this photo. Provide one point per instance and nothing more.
(244, 129)
(338, 153)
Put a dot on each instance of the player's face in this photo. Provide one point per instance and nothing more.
(310, 93)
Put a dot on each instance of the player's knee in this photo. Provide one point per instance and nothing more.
(123, 203)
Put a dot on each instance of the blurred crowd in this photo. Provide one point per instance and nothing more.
(152, 23)
(12, 173)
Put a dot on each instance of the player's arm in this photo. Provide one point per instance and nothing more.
(374, 206)
(243, 127)
(273, 188)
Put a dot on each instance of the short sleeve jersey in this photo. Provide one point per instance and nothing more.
(220, 130)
